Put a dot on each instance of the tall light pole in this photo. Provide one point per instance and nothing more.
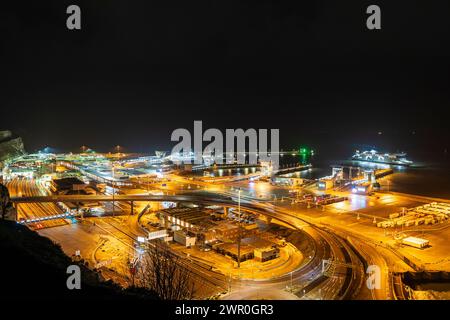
(113, 190)
(239, 228)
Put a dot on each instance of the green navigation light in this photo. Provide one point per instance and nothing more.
(304, 151)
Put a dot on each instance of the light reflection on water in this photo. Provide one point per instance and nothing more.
(286, 160)
(431, 180)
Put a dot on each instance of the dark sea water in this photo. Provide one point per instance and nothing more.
(427, 177)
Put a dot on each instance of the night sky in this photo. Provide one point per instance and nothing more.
(140, 69)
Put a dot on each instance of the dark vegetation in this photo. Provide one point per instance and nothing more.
(33, 267)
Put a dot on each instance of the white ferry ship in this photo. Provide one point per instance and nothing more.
(398, 159)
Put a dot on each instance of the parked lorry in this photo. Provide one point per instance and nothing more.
(416, 242)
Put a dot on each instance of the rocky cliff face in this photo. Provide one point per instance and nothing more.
(7, 211)
(5, 134)
(10, 146)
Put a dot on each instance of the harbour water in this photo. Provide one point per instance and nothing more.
(426, 177)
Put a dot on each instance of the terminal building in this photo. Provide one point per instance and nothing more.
(73, 186)
(251, 248)
(184, 238)
(192, 219)
(204, 225)
(228, 231)
(68, 186)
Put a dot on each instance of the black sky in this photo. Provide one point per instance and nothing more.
(140, 69)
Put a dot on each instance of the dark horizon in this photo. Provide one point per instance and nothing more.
(135, 73)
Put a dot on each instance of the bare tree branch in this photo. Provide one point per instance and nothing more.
(165, 273)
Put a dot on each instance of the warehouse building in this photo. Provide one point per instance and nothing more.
(193, 219)
(68, 186)
(184, 238)
(252, 247)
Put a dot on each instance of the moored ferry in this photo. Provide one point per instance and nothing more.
(398, 159)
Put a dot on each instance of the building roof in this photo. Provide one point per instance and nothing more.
(66, 183)
(247, 245)
(233, 249)
(184, 234)
(191, 215)
(226, 226)
(257, 243)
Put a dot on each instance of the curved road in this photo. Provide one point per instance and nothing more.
(327, 245)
